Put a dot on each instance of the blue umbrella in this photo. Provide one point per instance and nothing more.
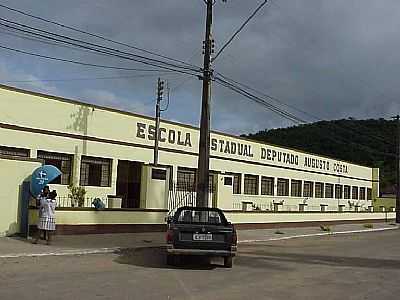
(43, 176)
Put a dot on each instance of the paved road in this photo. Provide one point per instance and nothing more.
(360, 266)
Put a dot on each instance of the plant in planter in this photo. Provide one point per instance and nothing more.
(77, 195)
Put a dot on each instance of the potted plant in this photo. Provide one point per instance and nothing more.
(77, 195)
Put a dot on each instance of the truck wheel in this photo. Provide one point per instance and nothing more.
(228, 262)
(170, 260)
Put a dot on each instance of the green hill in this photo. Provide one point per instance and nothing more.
(366, 142)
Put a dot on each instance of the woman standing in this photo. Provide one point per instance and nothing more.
(43, 195)
(47, 221)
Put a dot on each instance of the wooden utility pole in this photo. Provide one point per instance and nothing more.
(398, 170)
(160, 89)
(204, 144)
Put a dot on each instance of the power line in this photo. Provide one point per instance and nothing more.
(84, 42)
(259, 100)
(291, 117)
(75, 61)
(304, 112)
(240, 29)
(93, 34)
(138, 58)
(266, 95)
(7, 31)
(81, 79)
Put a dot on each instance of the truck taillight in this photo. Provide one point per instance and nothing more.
(170, 236)
(234, 237)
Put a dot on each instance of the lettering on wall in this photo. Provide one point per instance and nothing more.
(231, 148)
(316, 163)
(171, 136)
(323, 164)
(279, 156)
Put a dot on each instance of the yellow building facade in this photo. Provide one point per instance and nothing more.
(93, 145)
(110, 153)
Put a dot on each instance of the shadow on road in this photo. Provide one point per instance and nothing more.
(339, 261)
(155, 257)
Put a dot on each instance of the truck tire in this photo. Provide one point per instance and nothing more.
(228, 262)
(170, 260)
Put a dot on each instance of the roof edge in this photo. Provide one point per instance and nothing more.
(115, 110)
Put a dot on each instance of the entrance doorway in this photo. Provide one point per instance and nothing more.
(128, 183)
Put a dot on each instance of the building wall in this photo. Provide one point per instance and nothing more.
(239, 217)
(12, 174)
(40, 122)
(115, 217)
(110, 217)
(385, 203)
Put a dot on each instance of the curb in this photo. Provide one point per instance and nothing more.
(117, 249)
(64, 253)
(319, 234)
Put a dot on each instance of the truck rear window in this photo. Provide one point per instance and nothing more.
(187, 216)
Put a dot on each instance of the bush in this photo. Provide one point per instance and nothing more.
(77, 195)
(325, 228)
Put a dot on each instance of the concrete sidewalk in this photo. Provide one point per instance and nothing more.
(108, 243)
(260, 235)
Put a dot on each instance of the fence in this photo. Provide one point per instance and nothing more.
(65, 201)
(254, 206)
(184, 194)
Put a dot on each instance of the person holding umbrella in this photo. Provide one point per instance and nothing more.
(47, 222)
(42, 196)
(40, 179)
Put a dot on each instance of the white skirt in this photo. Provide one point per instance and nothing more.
(47, 223)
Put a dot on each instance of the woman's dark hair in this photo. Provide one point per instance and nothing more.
(53, 194)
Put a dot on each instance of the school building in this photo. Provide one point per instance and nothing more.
(110, 153)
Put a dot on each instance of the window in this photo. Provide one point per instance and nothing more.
(338, 191)
(186, 179)
(158, 174)
(354, 192)
(283, 187)
(267, 186)
(14, 152)
(308, 190)
(228, 181)
(346, 192)
(369, 194)
(62, 161)
(237, 182)
(296, 188)
(211, 182)
(328, 190)
(319, 190)
(95, 171)
(187, 216)
(362, 193)
(251, 184)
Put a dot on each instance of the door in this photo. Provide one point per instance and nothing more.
(129, 182)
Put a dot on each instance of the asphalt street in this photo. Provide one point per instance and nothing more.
(356, 266)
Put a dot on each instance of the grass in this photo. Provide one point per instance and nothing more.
(368, 226)
(325, 228)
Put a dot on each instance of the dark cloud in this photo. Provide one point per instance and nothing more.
(332, 59)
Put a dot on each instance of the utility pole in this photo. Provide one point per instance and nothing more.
(204, 144)
(160, 90)
(398, 170)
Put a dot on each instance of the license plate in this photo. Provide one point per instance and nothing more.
(202, 237)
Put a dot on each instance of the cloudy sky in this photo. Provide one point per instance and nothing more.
(330, 58)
